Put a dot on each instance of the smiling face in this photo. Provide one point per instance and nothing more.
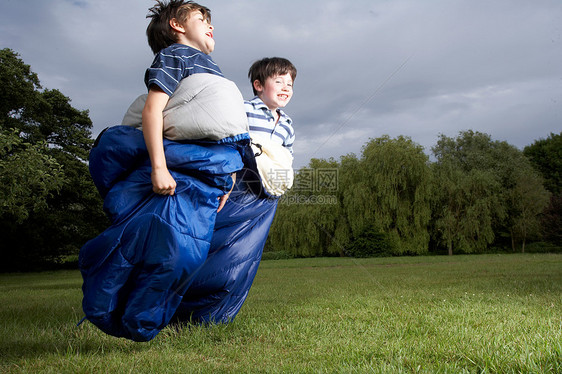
(276, 92)
(196, 32)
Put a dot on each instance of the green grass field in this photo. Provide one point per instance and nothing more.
(474, 314)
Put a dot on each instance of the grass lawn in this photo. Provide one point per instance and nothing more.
(481, 313)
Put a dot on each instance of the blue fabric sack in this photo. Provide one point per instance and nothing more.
(168, 257)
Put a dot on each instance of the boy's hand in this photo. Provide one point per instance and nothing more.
(223, 198)
(162, 182)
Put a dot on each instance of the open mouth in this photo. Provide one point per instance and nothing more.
(210, 35)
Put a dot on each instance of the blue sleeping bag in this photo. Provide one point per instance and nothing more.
(220, 287)
(174, 258)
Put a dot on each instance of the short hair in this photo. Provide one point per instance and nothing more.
(159, 32)
(268, 67)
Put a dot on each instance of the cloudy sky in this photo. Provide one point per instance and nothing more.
(366, 68)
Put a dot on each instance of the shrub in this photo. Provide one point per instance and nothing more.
(370, 244)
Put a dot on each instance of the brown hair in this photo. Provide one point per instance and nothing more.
(159, 32)
(268, 67)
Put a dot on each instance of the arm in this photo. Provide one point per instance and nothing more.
(153, 127)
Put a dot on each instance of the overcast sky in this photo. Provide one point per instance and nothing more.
(366, 68)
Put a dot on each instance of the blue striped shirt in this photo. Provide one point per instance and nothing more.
(262, 121)
(176, 62)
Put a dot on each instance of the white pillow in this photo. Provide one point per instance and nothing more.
(204, 106)
(275, 165)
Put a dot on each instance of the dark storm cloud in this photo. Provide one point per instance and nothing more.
(366, 68)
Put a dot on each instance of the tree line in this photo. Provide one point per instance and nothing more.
(392, 200)
(475, 195)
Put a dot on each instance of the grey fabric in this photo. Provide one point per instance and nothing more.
(204, 106)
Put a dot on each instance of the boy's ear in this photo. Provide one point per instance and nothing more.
(177, 26)
(257, 86)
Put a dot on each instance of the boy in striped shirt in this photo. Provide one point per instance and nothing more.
(181, 36)
(272, 82)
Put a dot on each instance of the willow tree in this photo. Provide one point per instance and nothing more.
(307, 216)
(389, 193)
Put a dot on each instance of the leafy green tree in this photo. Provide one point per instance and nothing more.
(468, 201)
(388, 191)
(504, 174)
(529, 198)
(382, 205)
(28, 176)
(546, 156)
(551, 221)
(463, 207)
(307, 216)
(523, 193)
(19, 90)
(349, 175)
(46, 122)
